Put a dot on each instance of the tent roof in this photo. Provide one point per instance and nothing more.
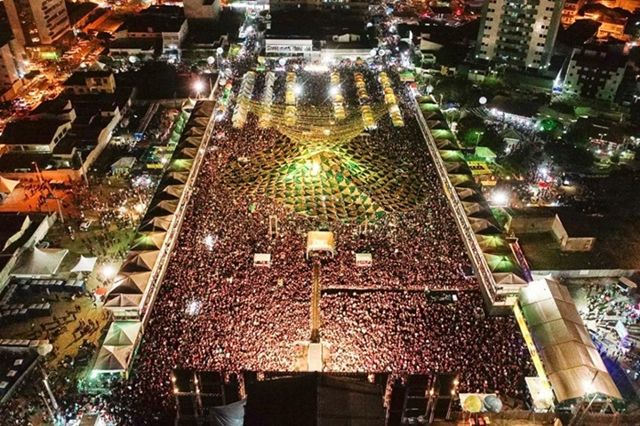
(130, 283)
(164, 207)
(122, 333)
(8, 185)
(174, 191)
(570, 358)
(464, 193)
(481, 225)
(115, 301)
(113, 358)
(501, 262)
(471, 208)
(149, 240)
(140, 260)
(508, 278)
(176, 177)
(85, 264)
(158, 222)
(41, 261)
(490, 243)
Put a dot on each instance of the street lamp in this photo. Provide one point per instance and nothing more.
(198, 87)
(482, 100)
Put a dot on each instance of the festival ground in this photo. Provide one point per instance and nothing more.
(379, 193)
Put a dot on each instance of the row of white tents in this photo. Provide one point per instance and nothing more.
(138, 278)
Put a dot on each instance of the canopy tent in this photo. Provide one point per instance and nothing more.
(130, 283)
(187, 152)
(163, 208)
(485, 226)
(40, 261)
(321, 241)
(140, 261)
(123, 165)
(85, 264)
(491, 243)
(123, 333)
(464, 193)
(159, 222)
(508, 281)
(571, 362)
(175, 178)
(8, 185)
(123, 301)
(149, 241)
(173, 191)
(113, 359)
(456, 167)
(461, 180)
(445, 144)
(193, 141)
(501, 263)
(471, 208)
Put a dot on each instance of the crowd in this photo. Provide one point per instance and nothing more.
(216, 311)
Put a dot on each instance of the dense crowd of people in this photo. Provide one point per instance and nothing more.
(217, 311)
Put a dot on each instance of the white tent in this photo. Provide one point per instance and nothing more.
(123, 333)
(113, 359)
(40, 262)
(508, 278)
(8, 185)
(122, 301)
(85, 264)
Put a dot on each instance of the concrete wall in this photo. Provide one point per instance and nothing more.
(538, 225)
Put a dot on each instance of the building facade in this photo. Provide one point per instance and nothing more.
(594, 72)
(37, 22)
(345, 5)
(201, 9)
(570, 11)
(12, 68)
(519, 34)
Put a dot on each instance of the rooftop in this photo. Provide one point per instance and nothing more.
(156, 19)
(31, 132)
(295, 23)
(79, 78)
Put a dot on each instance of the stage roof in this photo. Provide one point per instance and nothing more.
(570, 358)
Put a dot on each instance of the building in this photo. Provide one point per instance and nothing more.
(165, 23)
(201, 9)
(12, 68)
(331, 38)
(630, 5)
(519, 34)
(34, 135)
(612, 23)
(594, 72)
(83, 82)
(61, 138)
(570, 11)
(355, 6)
(37, 22)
